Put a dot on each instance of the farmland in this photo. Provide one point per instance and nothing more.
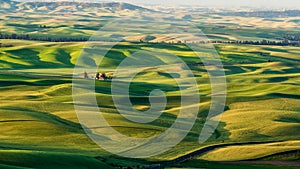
(39, 125)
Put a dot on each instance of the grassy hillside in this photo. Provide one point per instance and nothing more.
(40, 159)
(39, 124)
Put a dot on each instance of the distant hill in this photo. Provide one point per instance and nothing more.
(62, 6)
(8, 5)
(265, 14)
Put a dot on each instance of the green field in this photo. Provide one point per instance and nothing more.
(260, 125)
(38, 120)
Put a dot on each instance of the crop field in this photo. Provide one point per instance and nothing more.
(38, 120)
(41, 44)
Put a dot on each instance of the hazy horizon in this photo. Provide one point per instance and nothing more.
(219, 3)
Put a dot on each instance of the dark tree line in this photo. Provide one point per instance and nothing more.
(42, 38)
(289, 40)
(262, 42)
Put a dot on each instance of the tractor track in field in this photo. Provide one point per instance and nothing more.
(7, 121)
(37, 76)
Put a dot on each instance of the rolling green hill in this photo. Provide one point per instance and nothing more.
(41, 42)
(38, 121)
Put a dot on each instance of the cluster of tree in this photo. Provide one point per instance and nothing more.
(262, 42)
(14, 36)
(292, 37)
(250, 42)
(42, 38)
(43, 26)
(5, 45)
(176, 42)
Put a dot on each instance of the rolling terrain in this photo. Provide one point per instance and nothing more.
(37, 113)
(260, 125)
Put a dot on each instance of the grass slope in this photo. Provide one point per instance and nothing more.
(38, 119)
(47, 160)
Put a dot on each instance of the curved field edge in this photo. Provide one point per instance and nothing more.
(282, 160)
(48, 98)
(47, 160)
(237, 152)
(200, 164)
